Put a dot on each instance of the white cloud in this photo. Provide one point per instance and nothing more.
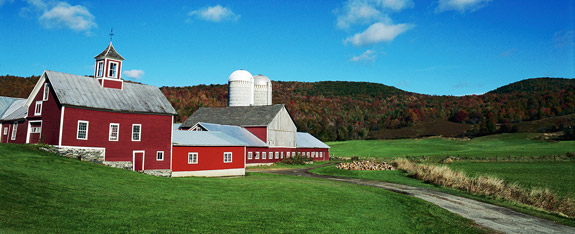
(460, 5)
(378, 32)
(4, 1)
(215, 13)
(368, 11)
(56, 14)
(367, 56)
(134, 74)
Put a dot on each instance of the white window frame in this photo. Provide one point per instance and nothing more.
(264, 155)
(277, 155)
(111, 133)
(100, 68)
(228, 157)
(321, 154)
(46, 93)
(250, 155)
(139, 133)
(14, 131)
(257, 155)
(38, 108)
(288, 154)
(282, 155)
(5, 131)
(113, 68)
(159, 155)
(307, 154)
(192, 159)
(78, 129)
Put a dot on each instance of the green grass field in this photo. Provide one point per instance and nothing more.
(503, 145)
(45, 193)
(557, 176)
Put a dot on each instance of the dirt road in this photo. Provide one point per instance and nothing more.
(494, 217)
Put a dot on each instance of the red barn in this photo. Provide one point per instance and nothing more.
(108, 120)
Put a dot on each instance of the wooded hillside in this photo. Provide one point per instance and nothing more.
(359, 110)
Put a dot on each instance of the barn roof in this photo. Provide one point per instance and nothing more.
(236, 132)
(306, 140)
(204, 138)
(82, 91)
(5, 103)
(235, 115)
(16, 110)
(109, 52)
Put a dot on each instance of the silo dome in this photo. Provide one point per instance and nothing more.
(240, 75)
(241, 88)
(262, 90)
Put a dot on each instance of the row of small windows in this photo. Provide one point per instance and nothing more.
(114, 133)
(193, 157)
(112, 71)
(280, 155)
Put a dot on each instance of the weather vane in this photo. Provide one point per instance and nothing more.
(111, 33)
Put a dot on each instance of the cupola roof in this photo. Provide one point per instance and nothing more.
(110, 52)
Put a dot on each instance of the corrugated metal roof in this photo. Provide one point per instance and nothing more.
(204, 138)
(234, 115)
(17, 110)
(236, 132)
(5, 103)
(306, 140)
(84, 91)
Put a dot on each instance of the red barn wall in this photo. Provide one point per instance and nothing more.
(156, 134)
(259, 132)
(209, 158)
(20, 132)
(50, 116)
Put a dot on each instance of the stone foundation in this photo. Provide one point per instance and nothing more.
(97, 156)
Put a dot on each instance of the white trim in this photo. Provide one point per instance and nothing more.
(99, 69)
(116, 75)
(78, 129)
(4, 130)
(82, 147)
(46, 92)
(245, 160)
(1, 132)
(14, 132)
(163, 156)
(231, 157)
(211, 173)
(36, 89)
(30, 130)
(257, 156)
(38, 111)
(61, 126)
(250, 155)
(171, 145)
(139, 133)
(197, 157)
(117, 132)
(134, 159)
(264, 155)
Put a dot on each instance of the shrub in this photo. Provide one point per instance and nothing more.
(298, 159)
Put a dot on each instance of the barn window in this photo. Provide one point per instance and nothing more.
(192, 158)
(321, 154)
(113, 69)
(307, 154)
(114, 132)
(136, 132)
(257, 155)
(100, 69)
(160, 156)
(14, 130)
(264, 156)
(35, 127)
(282, 155)
(277, 155)
(227, 157)
(82, 130)
(46, 92)
(38, 108)
(5, 131)
(288, 154)
(250, 155)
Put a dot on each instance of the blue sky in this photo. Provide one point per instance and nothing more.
(442, 47)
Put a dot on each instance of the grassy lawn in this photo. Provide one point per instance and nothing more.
(502, 145)
(557, 176)
(45, 193)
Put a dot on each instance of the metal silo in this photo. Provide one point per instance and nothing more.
(241, 88)
(262, 90)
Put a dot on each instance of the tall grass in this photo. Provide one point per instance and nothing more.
(541, 198)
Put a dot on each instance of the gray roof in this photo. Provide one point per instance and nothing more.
(109, 52)
(17, 110)
(82, 91)
(234, 115)
(5, 103)
(306, 140)
(236, 132)
(204, 138)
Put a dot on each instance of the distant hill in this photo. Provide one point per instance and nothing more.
(340, 110)
(536, 85)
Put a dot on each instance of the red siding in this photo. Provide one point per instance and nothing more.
(50, 116)
(114, 84)
(304, 151)
(260, 132)
(156, 134)
(20, 132)
(209, 158)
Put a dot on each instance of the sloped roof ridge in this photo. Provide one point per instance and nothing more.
(235, 115)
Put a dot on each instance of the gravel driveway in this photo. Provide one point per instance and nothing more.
(491, 216)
